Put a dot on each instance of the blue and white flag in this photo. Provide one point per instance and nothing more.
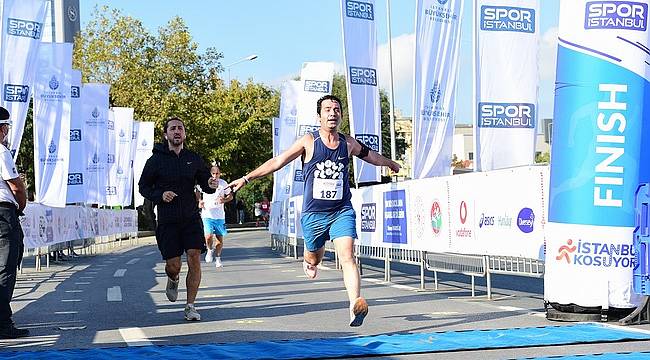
(94, 112)
(360, 54)
(120, 128)
(437, 42)
(22, 30)
(601, 145)
(286, 136)
(144, 146)
(52, 123)
(76, 167)
(316, 81)
(506, 81)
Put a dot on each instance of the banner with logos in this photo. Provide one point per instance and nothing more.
(437, 43)
(283, 178)
(316, 81)
(599, 151)
(22, 29)
(144, 146)
(360, 60)
(120, 184)
(505, 83)
(76, 168)
(45, 226)
(94, 112)
(429, 215)
(52, 106)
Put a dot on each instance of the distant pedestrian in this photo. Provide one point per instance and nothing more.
(168, 179)
(13, 198)
(265, 206)
(257, 210)
(240, 211)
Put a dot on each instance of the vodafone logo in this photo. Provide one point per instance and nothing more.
(463, 212)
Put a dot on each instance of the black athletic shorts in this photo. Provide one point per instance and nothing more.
(175, 238)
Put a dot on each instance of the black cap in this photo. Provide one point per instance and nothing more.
(4, 114)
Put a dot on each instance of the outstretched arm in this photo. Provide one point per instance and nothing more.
(370, 156)
(273, 164)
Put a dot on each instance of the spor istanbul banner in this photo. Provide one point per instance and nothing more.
(52, 123)
(144, 146)
(76, 189)
(94, 111)
(437, 42)
(283, 179)
(360, 54)
(22, 29)
(505, 85)
(316, 81)
(600, 149)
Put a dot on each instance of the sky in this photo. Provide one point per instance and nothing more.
(286, 33)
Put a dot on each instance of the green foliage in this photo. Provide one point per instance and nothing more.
(543, 158)
(163, 75)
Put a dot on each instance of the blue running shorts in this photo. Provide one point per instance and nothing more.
(214, 226)
(318, 227)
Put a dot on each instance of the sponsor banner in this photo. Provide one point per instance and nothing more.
(52, 106)
(437, 43)
(94, 112)
(395, 217)
(506, 115)
(120, 182)
(22, 29)
(283, 178)
(44, 226)
(315, 82)
(599, 117)
(360, 61)
(368, 204)
(76, 168)
(144, 146)
(464, 191)
(429, 215)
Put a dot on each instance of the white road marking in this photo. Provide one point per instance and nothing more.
(82, 283)
(86, 277)
(394, 286)
(114, 294)
(134, 337)
(74, 291)
(625, 328)
(133, 261)
(286, 271)
(70, 300)
(150, 253)
(119, 273)
(321, 282)
(65, 312)
(385, 300)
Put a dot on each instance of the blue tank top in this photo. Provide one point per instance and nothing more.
(326, 177)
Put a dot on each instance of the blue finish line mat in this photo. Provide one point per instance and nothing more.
(603, 356)
(357, 346)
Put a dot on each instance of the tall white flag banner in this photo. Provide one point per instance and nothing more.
(120, 182)
(52, 123)
(360, 54)
(283, 179)
(76, 168)
(22, 28)
(133, 146)
(144, 146)
(94, 112)
(110, 191)
(437, 43)
(505, 82)
(316, 81)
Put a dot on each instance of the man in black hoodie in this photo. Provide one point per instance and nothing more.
(168, 180)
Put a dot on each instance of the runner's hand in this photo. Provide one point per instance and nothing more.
(394, 166)
(168, 196)
(237, 184)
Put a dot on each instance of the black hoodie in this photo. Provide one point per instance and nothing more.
(166, 171)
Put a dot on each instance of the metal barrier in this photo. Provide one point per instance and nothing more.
(470, 265)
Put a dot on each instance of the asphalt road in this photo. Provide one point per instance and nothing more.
(117, 299)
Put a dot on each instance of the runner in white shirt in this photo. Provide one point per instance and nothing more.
(214, 217)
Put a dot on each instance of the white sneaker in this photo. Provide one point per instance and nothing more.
(209, 255)
(191, 314)
(217, 262)
(172, 289)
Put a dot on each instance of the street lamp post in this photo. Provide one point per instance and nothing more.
(247, 58)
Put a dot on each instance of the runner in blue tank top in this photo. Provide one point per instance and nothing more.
(327, 210)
